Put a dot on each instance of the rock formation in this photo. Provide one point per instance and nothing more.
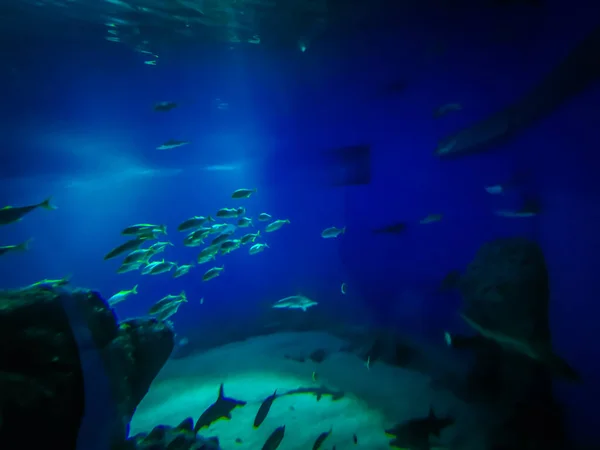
(69, 373)
(506, 301)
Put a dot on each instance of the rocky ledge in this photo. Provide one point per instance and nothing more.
(71, 376)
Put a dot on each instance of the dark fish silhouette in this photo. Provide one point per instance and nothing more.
(415, 433)
(395, 228)
(321, 439)
(221, 409)
(275, 439)
(261, 415)
(165, 106)
(319, 392)
(355, 438)
(10, 214)
(130, 245)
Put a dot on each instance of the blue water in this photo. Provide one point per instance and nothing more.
(77, 124)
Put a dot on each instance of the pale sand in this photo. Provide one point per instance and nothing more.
(376, 398)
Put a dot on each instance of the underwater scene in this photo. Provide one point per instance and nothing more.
(299, 224)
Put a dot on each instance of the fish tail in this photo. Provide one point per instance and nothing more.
(210, 219)
(343, 230)
(163, 229)
(183, 296)
(134, 290)
(24, 246)
(47, 205)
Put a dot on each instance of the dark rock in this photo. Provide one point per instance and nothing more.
(69, 372)
(164, 437)
(506, 300)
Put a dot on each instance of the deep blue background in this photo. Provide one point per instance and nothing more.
(77, 123)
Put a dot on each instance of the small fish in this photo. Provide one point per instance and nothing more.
(274, 226)
(144, 229)
(514, 181)
(445, 148)
(182, 270)
(167, 302)
(164, 106)
(162, 267)
(129, 267)
(172, 143)
(495, 189)
(343, 288)
(447, 108)
(395, 228)
(321, 438)
(251, 237)
(295, 302)
(355, 439)
(167, 312)
(11, 214)
(263, 411)
(112, 39)
(22, 247)
(194, 223)
(148, 267)
(243, 193)
(227, 213)
(221, 238)
(51, 283)
(244, 222)
(130, 245)
(159, 247)
(221, 409)
(264, 217)
(274, 439)
(332, 232)
(121, 296)
(257, 248)
(151, 62)
(141, 255)
(431, 218)
(229, 246)
(212, 273)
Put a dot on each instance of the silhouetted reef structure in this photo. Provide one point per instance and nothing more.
(506, 296)
(69, 372)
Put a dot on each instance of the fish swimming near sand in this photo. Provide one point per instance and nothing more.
(264, 409)
(221, 409)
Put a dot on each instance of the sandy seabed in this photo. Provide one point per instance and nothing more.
(375, 398)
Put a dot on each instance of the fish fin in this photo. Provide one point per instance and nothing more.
(221, 393)
(134, 290)
(432, 413)
(47, 205)
(24, 246)
(163, 228)
(319, 396)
